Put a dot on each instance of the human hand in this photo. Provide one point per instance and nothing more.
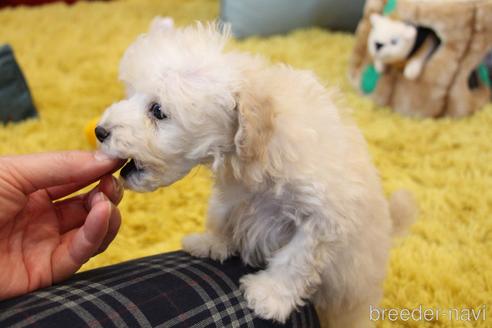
(44, 240)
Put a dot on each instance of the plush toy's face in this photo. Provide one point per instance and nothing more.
(390, 41)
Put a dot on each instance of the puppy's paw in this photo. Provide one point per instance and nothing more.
(379, 66)
(412, 70)
(207, 245)
(267, 298)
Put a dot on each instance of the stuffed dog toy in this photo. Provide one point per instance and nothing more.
(393, 42)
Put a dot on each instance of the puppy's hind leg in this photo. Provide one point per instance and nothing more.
(215, 242)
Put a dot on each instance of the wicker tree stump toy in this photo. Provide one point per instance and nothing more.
(425, 58)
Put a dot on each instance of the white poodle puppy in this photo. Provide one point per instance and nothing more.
(295, 190)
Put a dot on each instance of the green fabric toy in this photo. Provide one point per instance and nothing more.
(483, 74)
(15, 98)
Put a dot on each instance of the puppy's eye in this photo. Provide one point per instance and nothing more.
(394, 41)
(155, 110)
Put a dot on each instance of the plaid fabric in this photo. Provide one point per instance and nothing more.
(168, 290)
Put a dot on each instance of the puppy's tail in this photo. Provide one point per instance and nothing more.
(403, 210)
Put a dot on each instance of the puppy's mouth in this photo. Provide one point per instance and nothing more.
(131, 167)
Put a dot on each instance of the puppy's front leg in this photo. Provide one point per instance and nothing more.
(215, 242)
(292, 276)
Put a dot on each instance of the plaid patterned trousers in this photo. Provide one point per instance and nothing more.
(168, 290)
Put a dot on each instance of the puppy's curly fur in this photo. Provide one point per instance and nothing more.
(295, 190)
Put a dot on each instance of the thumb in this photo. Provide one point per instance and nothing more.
(38, 171)
(81, 244)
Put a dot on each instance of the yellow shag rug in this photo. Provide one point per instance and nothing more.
(70, 57)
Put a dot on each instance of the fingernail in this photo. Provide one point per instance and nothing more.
(99, 197)
(122, 182)
(101, 157)
(118, 187)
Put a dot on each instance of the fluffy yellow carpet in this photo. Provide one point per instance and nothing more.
(70, 57)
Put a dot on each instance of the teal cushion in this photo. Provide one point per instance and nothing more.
(266, 17)
(15, 99)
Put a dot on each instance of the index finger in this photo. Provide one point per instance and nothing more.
(30, 173)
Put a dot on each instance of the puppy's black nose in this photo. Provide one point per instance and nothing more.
(101, 133)
(378, 45)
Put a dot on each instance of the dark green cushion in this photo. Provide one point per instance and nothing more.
(15, 99)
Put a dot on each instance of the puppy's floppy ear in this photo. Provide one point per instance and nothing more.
(255, 123)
